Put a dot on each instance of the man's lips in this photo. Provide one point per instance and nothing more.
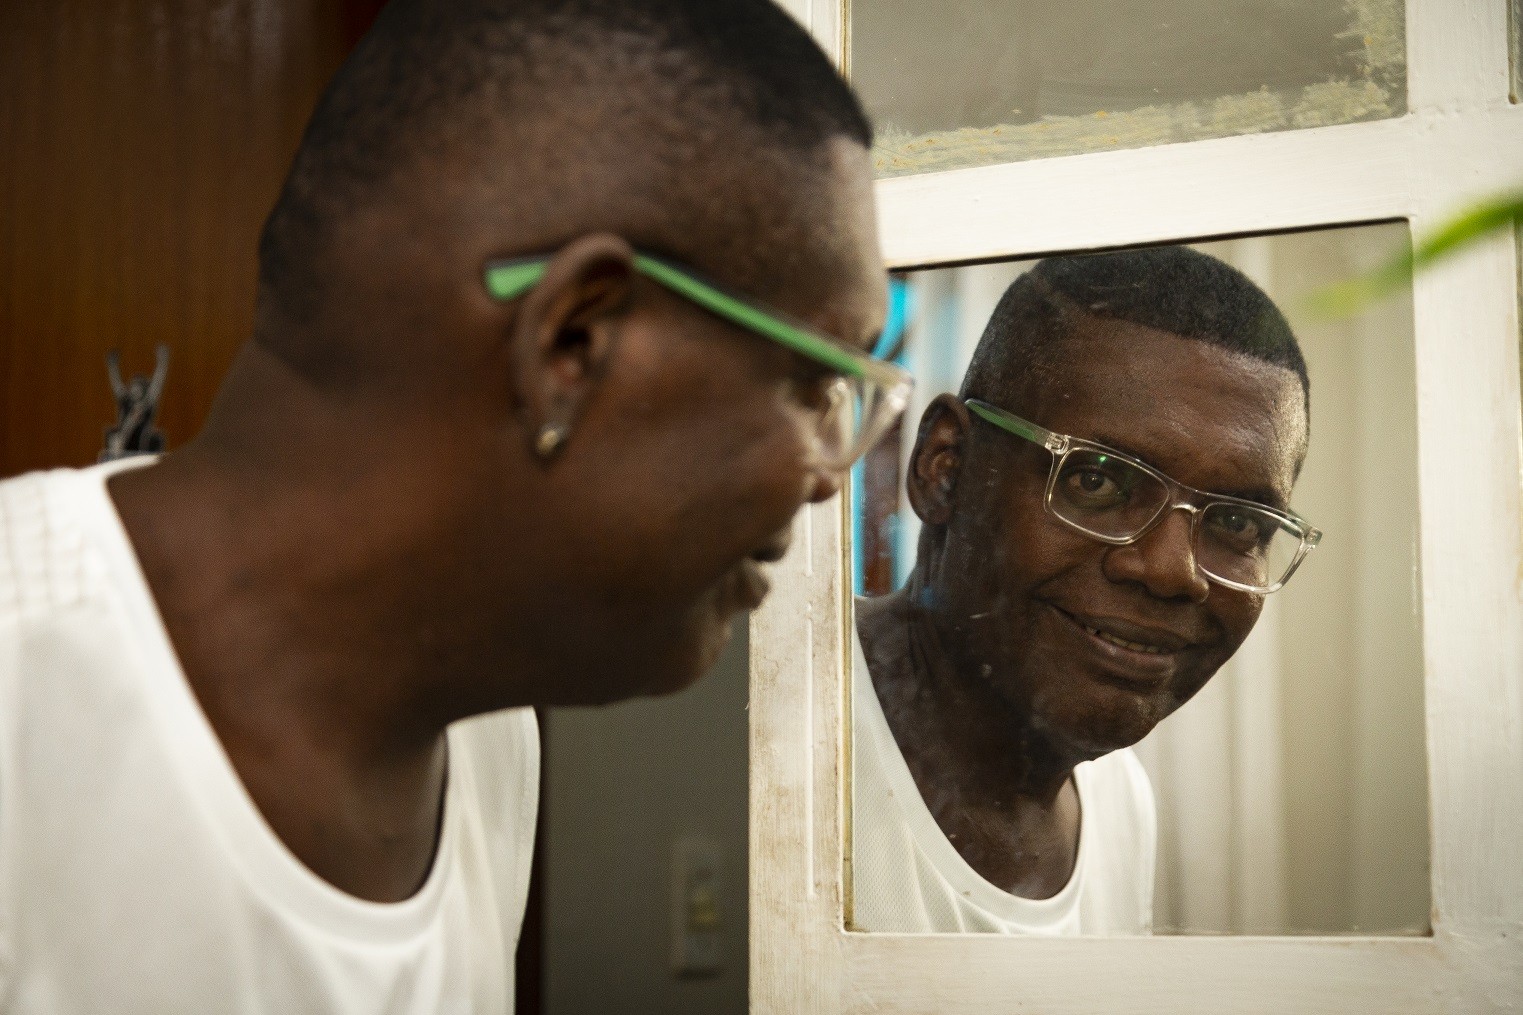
(752, 583)
(1132, 635)
(749, 581)
(1139, 652)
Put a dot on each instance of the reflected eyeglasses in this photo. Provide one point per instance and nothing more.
(862, 400)
(1117, 499)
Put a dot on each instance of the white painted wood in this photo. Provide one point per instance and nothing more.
(1463, 140)
(1457, 54)
(802, 10)
(1359, 172)
(1472, 571)
(797, 772)
(825, 21)
(968, 974)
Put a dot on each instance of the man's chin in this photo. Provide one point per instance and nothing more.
(1103, 727)
(699, 653)
(1093, 746)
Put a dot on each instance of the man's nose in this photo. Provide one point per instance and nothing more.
(1163, 560)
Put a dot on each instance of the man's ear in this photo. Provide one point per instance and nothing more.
(564, 333)
(936, 462)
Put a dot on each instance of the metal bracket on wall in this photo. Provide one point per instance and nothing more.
(137, 401)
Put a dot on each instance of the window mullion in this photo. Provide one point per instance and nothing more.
(1457, 54)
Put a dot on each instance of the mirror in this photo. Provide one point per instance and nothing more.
(974, 82)
(1080, 704)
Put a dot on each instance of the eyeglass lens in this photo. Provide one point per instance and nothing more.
(858, 412)
(1114, 499)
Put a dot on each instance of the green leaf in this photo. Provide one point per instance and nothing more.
(1353, 295)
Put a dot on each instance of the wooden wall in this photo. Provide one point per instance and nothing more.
(142, 142)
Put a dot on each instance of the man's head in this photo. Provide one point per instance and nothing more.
(714, 134)
(1167, 355)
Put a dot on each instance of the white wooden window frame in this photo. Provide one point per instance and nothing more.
(1462, 139)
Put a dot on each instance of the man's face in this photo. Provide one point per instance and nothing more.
(1023, 592)
(684, 480)
(614, 567)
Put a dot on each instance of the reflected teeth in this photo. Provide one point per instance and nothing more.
(1134, 646)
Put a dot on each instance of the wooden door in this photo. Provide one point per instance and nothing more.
(143, 143)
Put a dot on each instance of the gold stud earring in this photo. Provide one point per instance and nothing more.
(551, 437)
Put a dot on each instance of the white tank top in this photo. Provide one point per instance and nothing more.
(136, 874)
(908, 878)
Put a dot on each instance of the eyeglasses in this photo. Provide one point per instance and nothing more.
(1116, 499)
(862, 400)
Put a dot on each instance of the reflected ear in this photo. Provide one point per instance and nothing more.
(936, 462)
(564, 334)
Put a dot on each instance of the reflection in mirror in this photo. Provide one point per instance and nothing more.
(1106, 679)
(971, 82)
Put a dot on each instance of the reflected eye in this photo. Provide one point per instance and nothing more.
(1242, 528)
(1093, 487)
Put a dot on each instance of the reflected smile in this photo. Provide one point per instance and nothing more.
(1134, 652)
(1135, 646)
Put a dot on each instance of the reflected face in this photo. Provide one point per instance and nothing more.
(1098, 643)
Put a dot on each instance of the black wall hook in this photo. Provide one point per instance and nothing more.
(137, 402)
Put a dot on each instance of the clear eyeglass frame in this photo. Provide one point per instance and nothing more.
(1180, 496)
(863, 400)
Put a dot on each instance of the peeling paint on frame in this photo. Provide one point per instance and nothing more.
(1378, 27)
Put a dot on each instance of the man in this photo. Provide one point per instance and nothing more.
(1105, 506)
(492, 444)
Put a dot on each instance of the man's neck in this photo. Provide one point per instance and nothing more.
(322, 626)
(999, 792)
(318, 728)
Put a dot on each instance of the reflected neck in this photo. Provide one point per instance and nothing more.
(949, 723)
(1006, 802)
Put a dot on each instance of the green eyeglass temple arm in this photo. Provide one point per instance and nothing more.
(506, 280)
(1012, 423)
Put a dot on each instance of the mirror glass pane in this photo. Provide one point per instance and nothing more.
(971, 82)
(1287, 794)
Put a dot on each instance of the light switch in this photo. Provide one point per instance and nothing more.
(697, 921)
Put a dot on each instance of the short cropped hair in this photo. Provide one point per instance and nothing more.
(429, 67)
(1174, 289)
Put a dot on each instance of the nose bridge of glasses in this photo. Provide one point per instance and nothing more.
(1172, 496)
(1166, 513)
(1191, 544)
(1165, 558)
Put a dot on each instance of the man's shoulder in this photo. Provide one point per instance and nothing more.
(1120, 833)
(65, 605)
(45, 562)
(501, 752)
(508, 736)
(1125, 767)
(494, 764)
(1118, 785)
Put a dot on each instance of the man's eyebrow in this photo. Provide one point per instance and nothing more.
(1118, 444)
(1259, 495)
(1265, 495)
